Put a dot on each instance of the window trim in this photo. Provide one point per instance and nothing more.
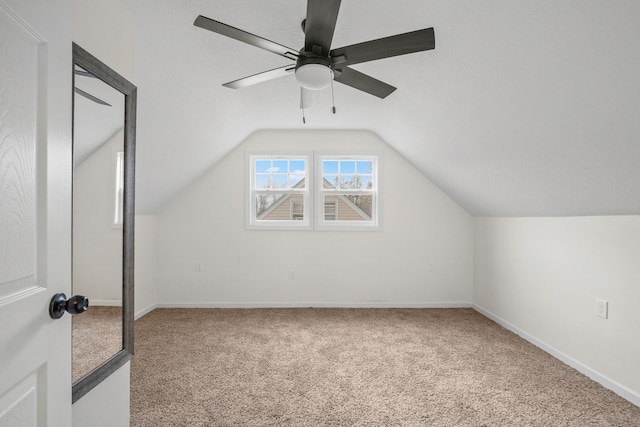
(252, 220)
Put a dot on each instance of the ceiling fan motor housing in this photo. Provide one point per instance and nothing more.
(313, 72)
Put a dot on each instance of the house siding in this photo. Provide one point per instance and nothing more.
(345, 212)
(282, 212)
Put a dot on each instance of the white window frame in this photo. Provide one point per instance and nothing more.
(252, 220)
(313, 193)
(321, 191)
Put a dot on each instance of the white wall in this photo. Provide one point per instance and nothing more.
(541, 276)
(97, 242)
(104, 28)
(205, 223)
(145, 267)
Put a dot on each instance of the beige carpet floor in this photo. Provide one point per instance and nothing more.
(96, 336)
(354, 367)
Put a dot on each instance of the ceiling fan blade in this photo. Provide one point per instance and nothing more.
(91, 97)
(320, 25)
(243, 36)
(363, 82)
(261, 77)
(400, 44)
(84, 73)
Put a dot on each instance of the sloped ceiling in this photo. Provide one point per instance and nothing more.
(527, 108)
(94, 123)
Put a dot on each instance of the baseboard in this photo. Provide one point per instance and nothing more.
(144, 311)
(317, 304)
(446, 304)
(625, 392)
(105, 302)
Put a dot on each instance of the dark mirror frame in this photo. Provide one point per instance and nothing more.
(96, 67)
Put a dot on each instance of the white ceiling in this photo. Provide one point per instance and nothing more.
(527, 108)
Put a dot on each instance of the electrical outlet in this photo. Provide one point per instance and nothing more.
(602, 308)
(431, 268)
(292, 275)
(198, 267)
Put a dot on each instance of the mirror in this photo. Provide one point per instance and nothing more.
(104, 105)
(98, 145)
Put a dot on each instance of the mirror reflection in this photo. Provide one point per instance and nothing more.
(98, 183)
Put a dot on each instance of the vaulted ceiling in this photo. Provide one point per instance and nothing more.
(528, 108)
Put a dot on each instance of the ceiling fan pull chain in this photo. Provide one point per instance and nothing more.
(304, 120)
(333, 99)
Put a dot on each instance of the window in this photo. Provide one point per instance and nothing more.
(119, 189)
(279, 191)
(347, 191)
(283, 191)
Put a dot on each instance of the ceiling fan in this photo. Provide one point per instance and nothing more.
(316, 64)
(83, 73)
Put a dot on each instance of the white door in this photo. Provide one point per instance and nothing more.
(35, 211)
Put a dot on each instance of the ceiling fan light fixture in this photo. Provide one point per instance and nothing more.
(314, 73)
(314, 76)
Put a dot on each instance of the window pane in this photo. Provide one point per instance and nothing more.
(364, 167)
(280, 166)
(347, 182)
(365, 182)
(362, 205)
(347, 208)
(263, 166)
(263, 181)
(279, 207)
(280, 173)
(296, 180)
(348, 174)
(280, 181)
(264, 201)
(329, 167)
(347, 166)
(297, 166)
(330, 181)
